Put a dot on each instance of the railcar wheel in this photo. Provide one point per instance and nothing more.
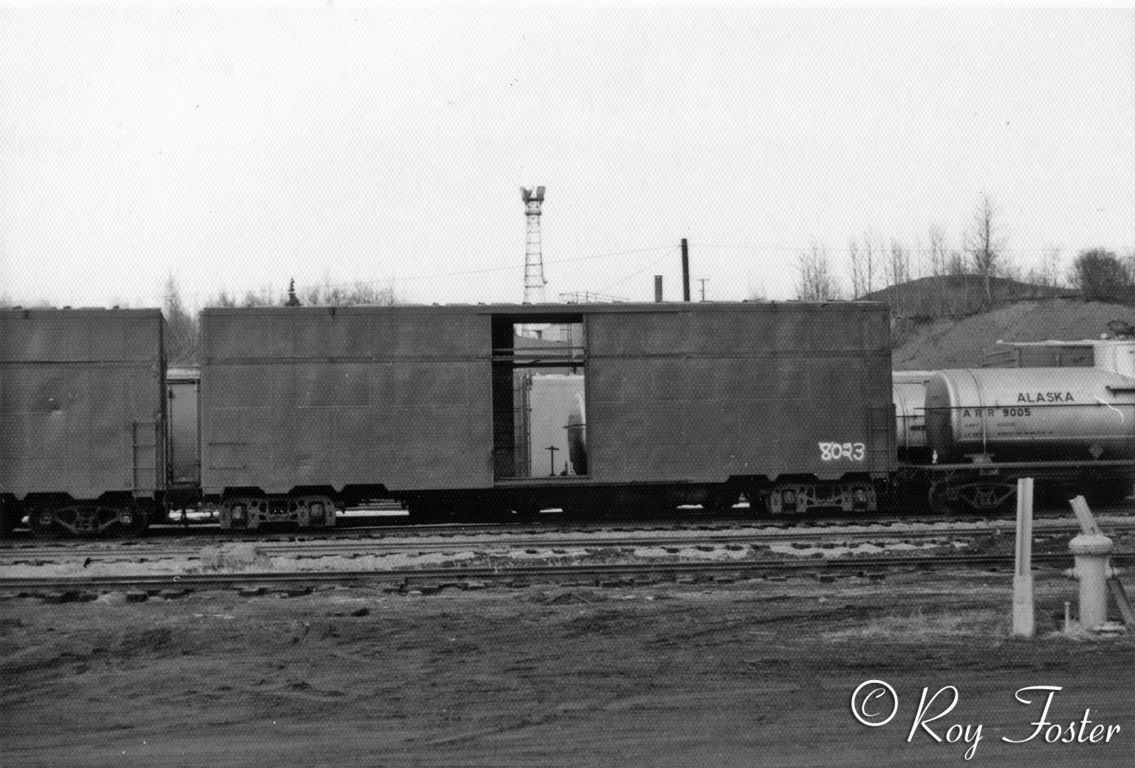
(242, 513)
(944, 500)
(42, 523)
(787, 499)
(9, 518)
(135, 522)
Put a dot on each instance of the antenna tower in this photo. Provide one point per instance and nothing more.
(534, 281)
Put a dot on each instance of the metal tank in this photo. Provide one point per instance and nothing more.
(908, 391)
(577, 435)
(1030, 414)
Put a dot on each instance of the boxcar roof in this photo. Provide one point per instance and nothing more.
(559, 310)
(79, 312)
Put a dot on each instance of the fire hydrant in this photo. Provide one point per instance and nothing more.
(1091, 551)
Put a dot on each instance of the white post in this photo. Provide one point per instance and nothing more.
(1024, 621)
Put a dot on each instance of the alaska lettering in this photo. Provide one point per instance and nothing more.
(1045, 397)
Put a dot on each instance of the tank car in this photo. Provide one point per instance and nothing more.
(1030, 414)
(1074, 427)
(908, 390)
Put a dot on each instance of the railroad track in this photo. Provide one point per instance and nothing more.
(511, 540)
(359, 526)
(604, 574)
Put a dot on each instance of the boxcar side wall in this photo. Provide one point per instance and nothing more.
(345, 397)
(714, 392)
(81, 402)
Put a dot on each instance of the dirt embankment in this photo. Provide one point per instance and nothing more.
(948, 343)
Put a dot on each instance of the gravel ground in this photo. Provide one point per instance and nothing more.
(748, 673)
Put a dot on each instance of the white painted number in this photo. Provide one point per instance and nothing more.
(837, 451)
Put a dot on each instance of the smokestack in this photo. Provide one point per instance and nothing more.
(685, 270)
(658, 288)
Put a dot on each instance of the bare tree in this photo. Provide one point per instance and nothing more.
(939, 252)
(757, 293)
(1048, 272)
(866, 263)
(872, 258)
(897, 274)
(343, 295)
(898, 266)
(985, 245)
(325, 294)
(816, 280)
(938, 258)
(1050, 266)
(183, 342)
(858, 271)
(224, 300)
(264, 297)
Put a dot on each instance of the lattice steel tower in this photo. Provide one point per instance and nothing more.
(534, 281)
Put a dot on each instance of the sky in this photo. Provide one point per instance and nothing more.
(333, 143)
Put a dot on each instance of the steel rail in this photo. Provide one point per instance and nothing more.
(509, 541)
(522, 573)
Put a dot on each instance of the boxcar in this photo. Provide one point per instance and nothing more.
(82, 393)
(308, 409)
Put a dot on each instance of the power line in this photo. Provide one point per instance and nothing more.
(802, 247)
(639, 271)
(236, 293)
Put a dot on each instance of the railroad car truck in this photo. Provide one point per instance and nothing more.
(82, 418)
(305, 410)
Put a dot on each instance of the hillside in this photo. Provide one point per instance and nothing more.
(959, 295)
(961, 343)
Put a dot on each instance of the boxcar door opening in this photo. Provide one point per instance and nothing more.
(539, 385)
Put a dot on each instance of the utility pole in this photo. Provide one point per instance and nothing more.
(552, 458)
(703, 281)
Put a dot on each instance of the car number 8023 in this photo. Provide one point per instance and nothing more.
(846, 451)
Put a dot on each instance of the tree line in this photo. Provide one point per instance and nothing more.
(972, 269)
(183, 341)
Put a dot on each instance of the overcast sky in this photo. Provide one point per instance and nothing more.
(237, 149)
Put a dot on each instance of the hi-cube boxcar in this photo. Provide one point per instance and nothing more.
(307, 409)
(83, 444)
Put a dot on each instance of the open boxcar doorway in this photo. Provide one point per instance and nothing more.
(539, 396)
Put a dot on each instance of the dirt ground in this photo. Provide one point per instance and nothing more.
(752, 673)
